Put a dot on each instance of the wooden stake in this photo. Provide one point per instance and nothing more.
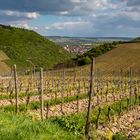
(34, 80)
(89, 101)
(77, 97)
(97, 121)
(63, 88)
(16, 87)
(108, 114)
(41, 94)
(131, 84)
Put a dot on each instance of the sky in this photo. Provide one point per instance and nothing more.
(78, 18)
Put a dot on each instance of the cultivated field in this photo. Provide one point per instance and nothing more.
(122, 57)
(61, 97)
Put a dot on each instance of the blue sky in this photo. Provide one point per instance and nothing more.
(93, 18)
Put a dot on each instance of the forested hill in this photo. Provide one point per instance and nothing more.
(25, 48)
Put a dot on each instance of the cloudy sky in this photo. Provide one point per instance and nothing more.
(102, 18)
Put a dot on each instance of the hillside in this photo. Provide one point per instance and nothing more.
(136, 39)
(122, 57)
(24, 47)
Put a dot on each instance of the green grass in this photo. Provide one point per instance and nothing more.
(24, 47)
(119, 136)
(138, 137)
(19, 127)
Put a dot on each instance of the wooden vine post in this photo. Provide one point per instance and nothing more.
(127, 104)
(34, 80)
(87, 127)
(41, 94)
(97, 121)
(16, 88)
(10, 86)
(77, 97)
(108, 114)
(28, 94)
(47, 110)
(136, 96)
(131, 84)
(98, 85)
(63, 88)
(10, 82)
(139, 100)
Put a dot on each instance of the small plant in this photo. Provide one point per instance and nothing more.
(69, 125)
(119, 136)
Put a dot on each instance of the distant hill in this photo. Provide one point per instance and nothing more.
(74, 41)
(25, 47)
(136, 39)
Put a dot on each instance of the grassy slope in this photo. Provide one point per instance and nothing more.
(21, 45)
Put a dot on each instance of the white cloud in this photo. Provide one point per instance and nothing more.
(133, 15)
(78, 1)
(97, 17)
(29, 15)
(32, 15)
(68, 25)
(64, 13)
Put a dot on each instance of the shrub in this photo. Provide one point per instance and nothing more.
(119, 136)
(84, 61)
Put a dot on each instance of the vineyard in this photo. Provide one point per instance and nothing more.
(83, 103)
